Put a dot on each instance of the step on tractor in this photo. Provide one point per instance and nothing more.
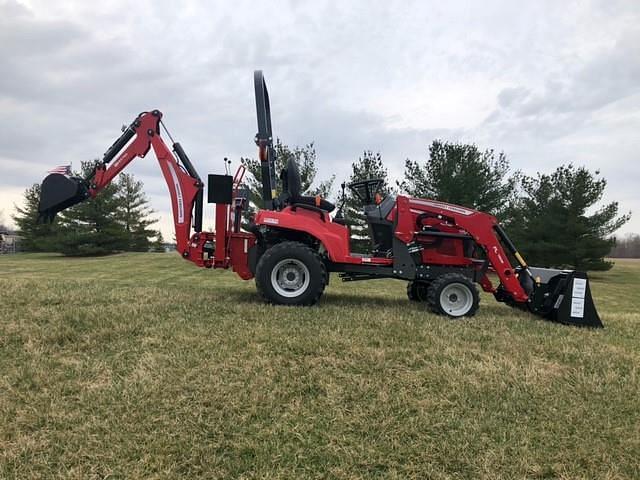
(292, 245)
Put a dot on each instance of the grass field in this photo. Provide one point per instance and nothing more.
(141, 365)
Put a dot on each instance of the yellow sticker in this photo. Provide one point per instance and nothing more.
(520, 259)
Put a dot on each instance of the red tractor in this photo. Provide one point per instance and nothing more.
(293, 244)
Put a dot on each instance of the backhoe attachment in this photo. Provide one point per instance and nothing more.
(59, 192)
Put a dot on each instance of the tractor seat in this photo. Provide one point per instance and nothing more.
(291, 178)
(320, 203)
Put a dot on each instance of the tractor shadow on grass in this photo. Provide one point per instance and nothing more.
(349, 299)
(332, 299)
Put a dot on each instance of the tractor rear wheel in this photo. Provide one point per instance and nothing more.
(291, 273)
(454, 295)
(417, 291)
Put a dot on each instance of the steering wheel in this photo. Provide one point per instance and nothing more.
(366, 190)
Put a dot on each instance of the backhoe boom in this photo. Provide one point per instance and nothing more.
(185, 186)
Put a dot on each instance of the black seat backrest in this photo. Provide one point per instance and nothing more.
(294, 184)
(293, 194)
(380, 229)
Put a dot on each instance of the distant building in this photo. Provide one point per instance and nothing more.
(9, 241)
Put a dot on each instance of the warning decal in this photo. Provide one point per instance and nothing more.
(577, 297)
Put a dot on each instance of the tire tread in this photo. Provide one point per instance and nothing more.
(288, 247)
(433, 294)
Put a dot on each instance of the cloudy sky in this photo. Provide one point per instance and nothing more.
(547, 82)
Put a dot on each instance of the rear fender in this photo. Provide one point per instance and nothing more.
(333, 237)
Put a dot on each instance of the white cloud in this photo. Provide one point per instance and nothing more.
(547, 82)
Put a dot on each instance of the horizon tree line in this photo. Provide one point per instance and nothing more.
(556, 219)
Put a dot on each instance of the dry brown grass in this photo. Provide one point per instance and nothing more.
(144, 366)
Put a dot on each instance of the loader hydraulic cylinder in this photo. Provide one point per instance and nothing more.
(510, 246)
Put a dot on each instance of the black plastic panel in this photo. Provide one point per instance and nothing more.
(220, 189)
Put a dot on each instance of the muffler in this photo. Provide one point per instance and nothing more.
(563, 296)
(59, 192)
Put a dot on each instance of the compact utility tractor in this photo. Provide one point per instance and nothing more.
(293, 244)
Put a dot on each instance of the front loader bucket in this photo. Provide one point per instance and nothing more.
(59, 192)
(564, 296)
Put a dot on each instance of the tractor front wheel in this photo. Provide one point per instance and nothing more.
(453, 295)
(417, 291)
(291, 273)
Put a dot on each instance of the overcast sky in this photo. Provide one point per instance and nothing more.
(547, 82)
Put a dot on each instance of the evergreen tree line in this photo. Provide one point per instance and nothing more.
(116, 220)
(555, 219)
(3, 226)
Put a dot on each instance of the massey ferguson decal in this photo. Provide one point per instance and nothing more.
(179, 198)
(120, 159)
(444, 206)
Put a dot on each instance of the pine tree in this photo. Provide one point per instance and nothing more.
(462, 174)
(158, 243)
(550, 224)
(93, 227)
(368, 166)
(35, 236)
(134, 213)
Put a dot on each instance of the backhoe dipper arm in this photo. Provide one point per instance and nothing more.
(185, 186)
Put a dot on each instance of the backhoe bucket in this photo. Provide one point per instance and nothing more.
(59, 192)
(564, 296)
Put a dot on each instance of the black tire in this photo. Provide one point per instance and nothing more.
(290, 259)
(417, 291)
(453, 295)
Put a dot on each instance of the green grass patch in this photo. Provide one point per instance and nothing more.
(141, 365)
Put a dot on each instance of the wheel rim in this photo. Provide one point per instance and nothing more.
(456, 299)
(290, 278)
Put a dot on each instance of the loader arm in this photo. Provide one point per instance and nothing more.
(485, 231)
(185, 186)
(559, 295)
